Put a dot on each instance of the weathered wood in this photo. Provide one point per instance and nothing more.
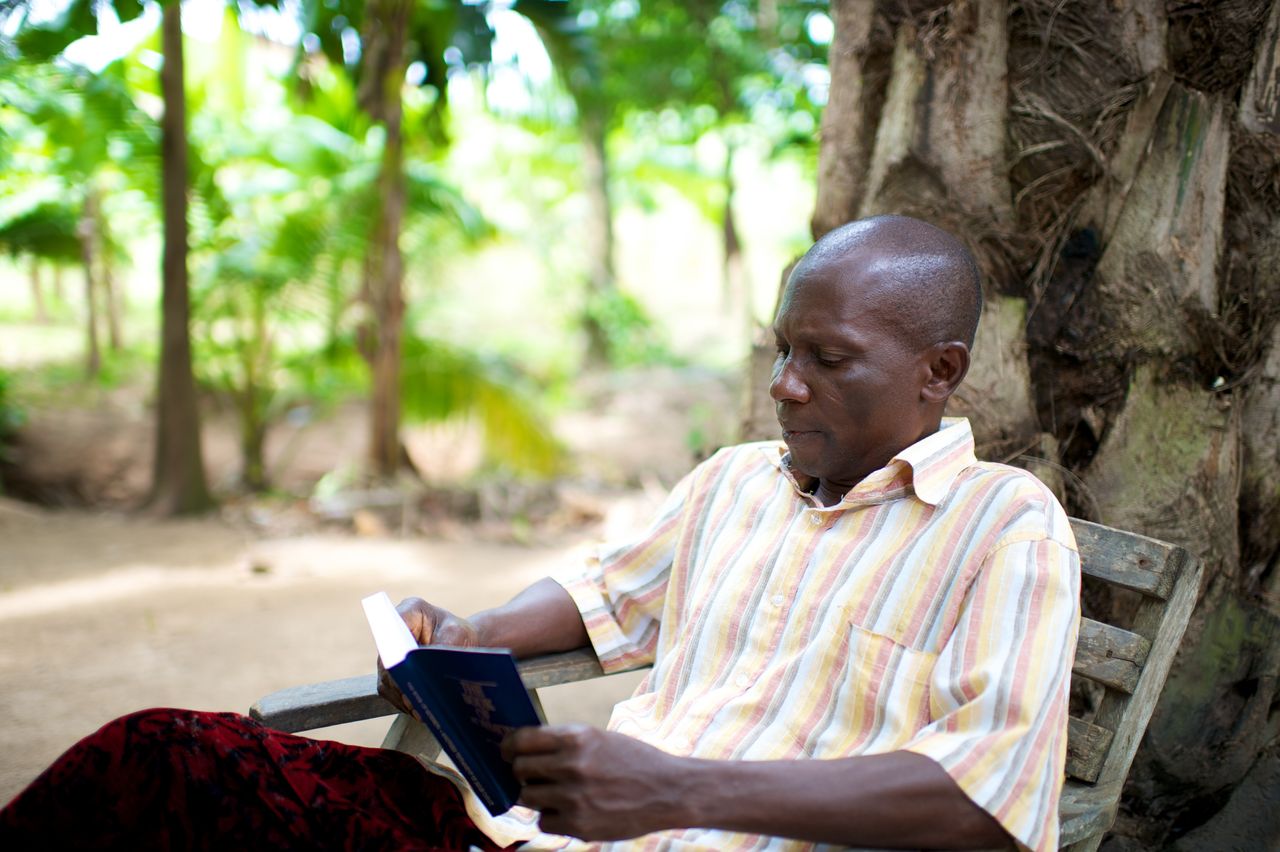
(1128, 560)
(337, 702)
(1130, 727)
(1087, 747)
(1085, 810)
(1109, 655)
(410, 736)
(319, 705)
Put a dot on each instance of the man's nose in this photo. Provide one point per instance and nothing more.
(787, 385)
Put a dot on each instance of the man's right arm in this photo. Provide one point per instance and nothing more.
(542, 619)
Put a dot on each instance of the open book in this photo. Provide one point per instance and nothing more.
(469, 698)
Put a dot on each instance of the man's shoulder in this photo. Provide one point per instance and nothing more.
(1021, 500)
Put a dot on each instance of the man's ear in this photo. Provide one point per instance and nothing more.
(948, 363)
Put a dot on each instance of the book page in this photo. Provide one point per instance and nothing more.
(390, 633)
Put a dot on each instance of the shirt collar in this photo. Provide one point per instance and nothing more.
(929, 466)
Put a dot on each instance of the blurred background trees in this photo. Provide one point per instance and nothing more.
(302, 162)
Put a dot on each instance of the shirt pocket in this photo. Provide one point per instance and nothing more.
(879, 699)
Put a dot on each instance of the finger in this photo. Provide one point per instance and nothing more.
(547, 798)
(420, 617)
(540, 739)
(543, 768)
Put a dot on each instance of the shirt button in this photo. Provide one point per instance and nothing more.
(777, 600)
(743, 680)
(815, 518)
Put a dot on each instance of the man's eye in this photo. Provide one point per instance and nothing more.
(828, 360)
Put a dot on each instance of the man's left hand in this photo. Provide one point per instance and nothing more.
(598, 785)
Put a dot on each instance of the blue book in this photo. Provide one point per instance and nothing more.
(469, 698)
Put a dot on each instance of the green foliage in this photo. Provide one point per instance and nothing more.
(45, 229)
(634, 338)
(441, 382)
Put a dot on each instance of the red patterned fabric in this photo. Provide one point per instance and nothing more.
(179, 779)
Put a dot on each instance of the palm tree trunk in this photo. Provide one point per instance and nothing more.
(736, 286)
(110, 290)
(178, 479)
(37, 291)
(87, 231)
(1113, 166)
(255, 359)
(601, 279)
(384, 264)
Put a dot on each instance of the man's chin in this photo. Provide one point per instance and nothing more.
(803, 447)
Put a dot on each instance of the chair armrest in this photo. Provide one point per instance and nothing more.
(336, 702)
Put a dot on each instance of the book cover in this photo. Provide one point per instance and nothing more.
(468, 697)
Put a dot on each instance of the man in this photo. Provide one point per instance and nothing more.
(861, 640)
(865, 641)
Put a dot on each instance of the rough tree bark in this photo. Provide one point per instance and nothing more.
(1116, 169)
(178, 479)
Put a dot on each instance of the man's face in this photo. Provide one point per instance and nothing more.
(847, 380)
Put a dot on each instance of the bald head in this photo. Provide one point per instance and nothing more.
(932, 277)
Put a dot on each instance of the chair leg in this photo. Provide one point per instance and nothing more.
(410, 736)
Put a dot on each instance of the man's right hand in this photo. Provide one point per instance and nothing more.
(430, 625)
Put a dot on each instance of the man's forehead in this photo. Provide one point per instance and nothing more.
(855, 279)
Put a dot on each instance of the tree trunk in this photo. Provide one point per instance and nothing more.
(736, 286)
(1116, 168)
(110, 290)
(59, 292)
(850, 117)
(87, 231)
(37, 292)
(601, 279)
(178, 480)
(384, 264)
(255, 396)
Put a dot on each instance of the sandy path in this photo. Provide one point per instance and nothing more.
(103, 615)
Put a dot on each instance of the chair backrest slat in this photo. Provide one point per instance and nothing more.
(1087, 747)
(1130, 664)
(1110, 655)
(1126, 559)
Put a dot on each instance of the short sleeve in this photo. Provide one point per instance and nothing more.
(622, 589)
(999, 689)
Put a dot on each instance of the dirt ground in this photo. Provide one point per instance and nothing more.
(106, 612)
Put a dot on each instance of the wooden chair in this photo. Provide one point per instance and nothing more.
(1128, 663)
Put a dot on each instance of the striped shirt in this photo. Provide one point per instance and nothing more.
(934, 609)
